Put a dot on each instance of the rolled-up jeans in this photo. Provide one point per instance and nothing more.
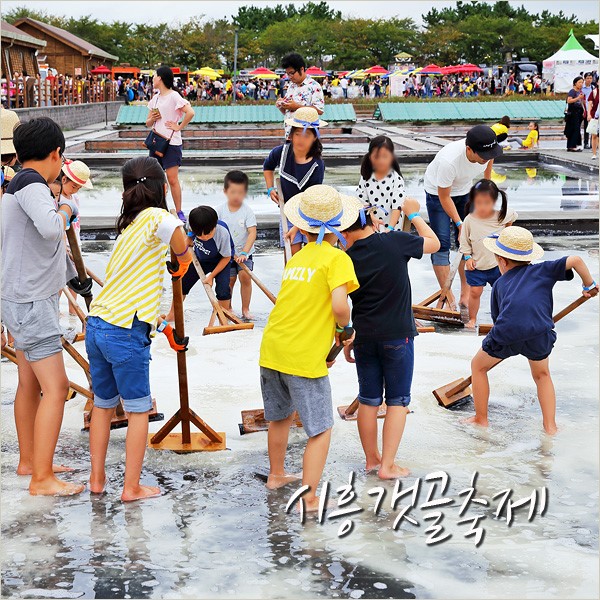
(443, 226)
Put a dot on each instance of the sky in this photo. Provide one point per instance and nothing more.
(151, 11)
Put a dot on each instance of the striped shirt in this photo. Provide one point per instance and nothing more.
(135, 271)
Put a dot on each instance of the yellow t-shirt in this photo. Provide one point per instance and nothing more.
(499, 129)
(301, 326)
(135, 271)
(531, 140)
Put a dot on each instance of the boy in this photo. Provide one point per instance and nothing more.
(385, 328)
(242, 226)
(522, 315)
(312, 307)
(33, 272)
(214, 249)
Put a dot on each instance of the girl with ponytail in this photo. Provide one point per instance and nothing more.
(124, 313)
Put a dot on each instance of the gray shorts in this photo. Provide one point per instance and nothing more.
(34, 326)
(283, 394)
(235, 267)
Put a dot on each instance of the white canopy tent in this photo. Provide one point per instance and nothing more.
(563, 66)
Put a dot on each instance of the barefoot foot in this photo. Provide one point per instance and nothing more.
(140, 492)
(393, 472)
(475, 421)
(54, 487)
(27, 469)
(247, 315)
(470, 324)
(97, 485)
(551, 429)
(274, 482)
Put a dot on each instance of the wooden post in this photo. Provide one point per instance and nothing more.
(78, 260)
(287, 245)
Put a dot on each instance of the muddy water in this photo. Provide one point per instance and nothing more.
(217, 533)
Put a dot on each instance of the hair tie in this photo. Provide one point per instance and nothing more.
(141, 179)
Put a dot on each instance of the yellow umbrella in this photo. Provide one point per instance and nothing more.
(206, 72)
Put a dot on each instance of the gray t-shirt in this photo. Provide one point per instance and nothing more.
(34, 262)
(238, 223)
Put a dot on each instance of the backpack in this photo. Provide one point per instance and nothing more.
(130, 94)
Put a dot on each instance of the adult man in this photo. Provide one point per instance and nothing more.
(344, 86)
(586, 90)
(302, 91)
(447, 182)
(427, 87)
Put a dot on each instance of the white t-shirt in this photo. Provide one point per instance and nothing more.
(451, 168)
(238, 223)
(343, 83)
(387, 192)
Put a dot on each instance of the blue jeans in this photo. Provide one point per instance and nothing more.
(119, 364)
(443, 226)
(191, 278)
(385, 364)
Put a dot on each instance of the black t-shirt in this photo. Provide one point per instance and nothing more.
(382, 305)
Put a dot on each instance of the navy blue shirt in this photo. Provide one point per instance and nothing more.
(295, 178)
(522, 302)
(382, 305)
(218, 247)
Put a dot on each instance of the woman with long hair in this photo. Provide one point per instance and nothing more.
(574, 115)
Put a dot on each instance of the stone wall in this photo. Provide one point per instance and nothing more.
(75, 115)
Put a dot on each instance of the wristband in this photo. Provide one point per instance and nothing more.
(243, 253)
(161, 326)
(458, 223)
(191, 234)
(390, 227)
(467, 257)
(589, 287)
(184, 252)
(67, 219)
(413, 215)
(269, 190)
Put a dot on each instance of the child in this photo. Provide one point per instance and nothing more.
(312, 306)
(214, 249)
(532, 139)
(242, 226)
(117, 338)
(482, 220)
(299, 163)
(33, 273)
(385, 328)
(501, 128)
(522, 315)
(76, 175)
(381, 183)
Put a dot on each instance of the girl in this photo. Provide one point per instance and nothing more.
(117, 336)
(299, 163)
(165, 110)
(381, 183)
(482, 221)
(75, 175)
(532, 139)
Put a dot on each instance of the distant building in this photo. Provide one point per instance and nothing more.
(65, 52)
(19, 51)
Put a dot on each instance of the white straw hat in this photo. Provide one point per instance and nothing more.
(306, 117)
(321, 209)
(515, 243)
(78, 172)
(9, 121)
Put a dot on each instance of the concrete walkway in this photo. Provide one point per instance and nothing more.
(79, 136)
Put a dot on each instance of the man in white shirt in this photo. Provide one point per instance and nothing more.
(447, 182)
(344, 86)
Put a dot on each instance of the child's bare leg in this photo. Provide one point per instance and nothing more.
(232, 281)
(51, 375)
(464, 286)
(171, 314)
(480, 365)
(546, 395)
(313, 464)
(225, 304)
(135, 449)
(277, 441)
(393, 428)
(99, 436)
(474, 302)
(246, 293)
(367, 430)
(296, 248)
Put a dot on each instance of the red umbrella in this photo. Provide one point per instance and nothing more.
(468, 68)
(448, 70)
(101, 70)
(431, 70)
(262, 71)
(376, 70)
(316, 72)
(342, 73)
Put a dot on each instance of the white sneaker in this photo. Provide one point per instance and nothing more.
(594, 157)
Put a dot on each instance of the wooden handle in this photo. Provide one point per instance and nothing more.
(287, 246)
(335, 349)
(78, 260)
(258, 283)
(209, 291)
(565, 311)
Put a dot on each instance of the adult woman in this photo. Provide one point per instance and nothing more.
(574, 115)
(165, 110)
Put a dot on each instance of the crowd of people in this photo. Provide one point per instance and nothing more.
(343, 247)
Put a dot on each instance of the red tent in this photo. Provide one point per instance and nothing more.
(376, 70)
(316, 72)
(468, 68)
(262, 71)
(431, 70)
(101, 70)
(448, 70)
(342, 73)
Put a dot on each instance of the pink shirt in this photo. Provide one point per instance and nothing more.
(171, 109)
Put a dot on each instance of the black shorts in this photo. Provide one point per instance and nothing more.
(537, 348)
(172, 157)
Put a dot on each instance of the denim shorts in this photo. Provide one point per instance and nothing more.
(443, 226)
(172, 158)
(119, 364)
(235, 267)
(283, 394)
(299, 238)
(478, 278)
(191, 278)
(537, 348)
(386, 365)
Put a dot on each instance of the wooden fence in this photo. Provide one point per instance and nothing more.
(34, 92)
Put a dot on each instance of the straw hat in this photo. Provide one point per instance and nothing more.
(322, 209)
(515, 243)
(8, 120)
(9, 173)
(78, 172)
(307, 117)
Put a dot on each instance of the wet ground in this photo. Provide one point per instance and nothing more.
(217, 533)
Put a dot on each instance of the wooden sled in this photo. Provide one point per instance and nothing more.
(254, 420)
(228, 321)
(484, 328)
(458, 392)
(349, 412)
